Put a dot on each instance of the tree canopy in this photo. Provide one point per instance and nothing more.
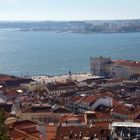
(3, 128)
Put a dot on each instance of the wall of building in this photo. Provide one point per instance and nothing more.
(100, 66)
(107, 101)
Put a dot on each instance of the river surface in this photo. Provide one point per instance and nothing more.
(51, 53)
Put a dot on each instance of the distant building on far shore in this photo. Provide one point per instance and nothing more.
(100, 66)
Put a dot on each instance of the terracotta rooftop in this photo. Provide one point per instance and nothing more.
(80, 133)
(12, 92)
(126, 110)
(89, 99)
(4, 77)
(75, 98)
(128, 63)
(70, 117)
(51, 131)
(104, 125)
(18, 134)
(22, 124)
(101, 115)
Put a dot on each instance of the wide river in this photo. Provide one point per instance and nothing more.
(52, 53)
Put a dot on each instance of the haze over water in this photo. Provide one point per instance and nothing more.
(54, 53)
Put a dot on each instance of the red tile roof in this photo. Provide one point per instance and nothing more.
(100, 115)
(51, 131)
(4, 78)
(75, 98)
(131, 112)
(89, 99)
(22, 124)
(11, 92)
(16, 133)
(71, 117)
(77, 132)
(104, 125)
(128, 63)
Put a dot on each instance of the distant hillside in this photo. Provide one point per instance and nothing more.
(95, 26)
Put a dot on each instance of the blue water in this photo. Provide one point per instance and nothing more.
(56, 53)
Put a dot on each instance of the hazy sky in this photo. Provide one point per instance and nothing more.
(69, 9)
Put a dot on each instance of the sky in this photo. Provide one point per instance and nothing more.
(69, 9)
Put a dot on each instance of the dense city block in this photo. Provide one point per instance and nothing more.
(101, 105)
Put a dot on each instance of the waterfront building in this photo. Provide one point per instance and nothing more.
(133, 67)
(104, 66)
(100, 66)
(118, 71)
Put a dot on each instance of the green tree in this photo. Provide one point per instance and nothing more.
(3, 129)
